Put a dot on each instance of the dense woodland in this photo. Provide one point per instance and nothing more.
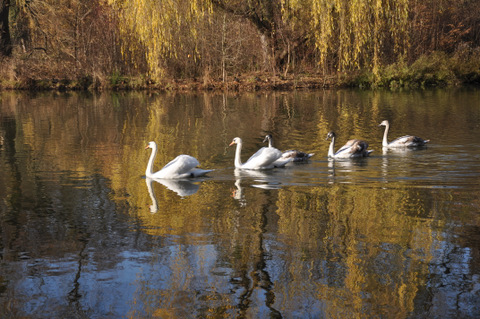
(232, 43)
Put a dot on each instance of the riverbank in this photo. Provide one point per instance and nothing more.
(247, 82)
(435, 70)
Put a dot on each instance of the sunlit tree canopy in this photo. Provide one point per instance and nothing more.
(216, 39)
(358, 33)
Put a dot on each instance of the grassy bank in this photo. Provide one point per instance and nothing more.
(435, 70)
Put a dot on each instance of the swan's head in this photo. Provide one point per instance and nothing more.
(236, 140)
(330, 135)
(151, 145)
(268, 137)
(384, 123)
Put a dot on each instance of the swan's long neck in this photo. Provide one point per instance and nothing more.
(385, 141)
(238, 160)
(149, 170)
(270, 142)
(331, 148)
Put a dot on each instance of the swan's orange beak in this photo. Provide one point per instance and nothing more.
(233, 142)
(147, 147)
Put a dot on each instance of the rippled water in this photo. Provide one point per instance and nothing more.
(85, 235)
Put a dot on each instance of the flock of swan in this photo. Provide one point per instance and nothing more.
(269, 157)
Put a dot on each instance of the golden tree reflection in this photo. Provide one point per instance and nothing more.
(348, 242)
(365, 228)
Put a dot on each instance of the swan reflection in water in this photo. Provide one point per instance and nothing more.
(348, 165)
(398, 160)
(399, 151)
(265, 180)
(238, 193)
(182, 188)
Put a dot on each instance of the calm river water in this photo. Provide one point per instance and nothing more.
(83, 234)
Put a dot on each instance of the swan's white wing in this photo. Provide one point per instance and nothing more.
(198, 172)
(257, 154)
(353, 148)
(344, 152)
(180, 165)
(297, 156)
(289, 154)
(263, 158)
(407, 141)
(281, 162)
(401, 141)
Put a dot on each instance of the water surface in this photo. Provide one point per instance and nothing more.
(85, 235)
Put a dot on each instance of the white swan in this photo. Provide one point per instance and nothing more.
(183, 166)
(404, 141)
(298, 156)
(264, 158)
(353, 148)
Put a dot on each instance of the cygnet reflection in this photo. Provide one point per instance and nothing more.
(262, 179)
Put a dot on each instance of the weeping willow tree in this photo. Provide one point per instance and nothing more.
(345, 34)
(353, 34)
(162, 29)
(182, 32)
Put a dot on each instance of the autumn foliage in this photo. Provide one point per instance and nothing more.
(107, 43)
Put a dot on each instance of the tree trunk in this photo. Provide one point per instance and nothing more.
(5, 40)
